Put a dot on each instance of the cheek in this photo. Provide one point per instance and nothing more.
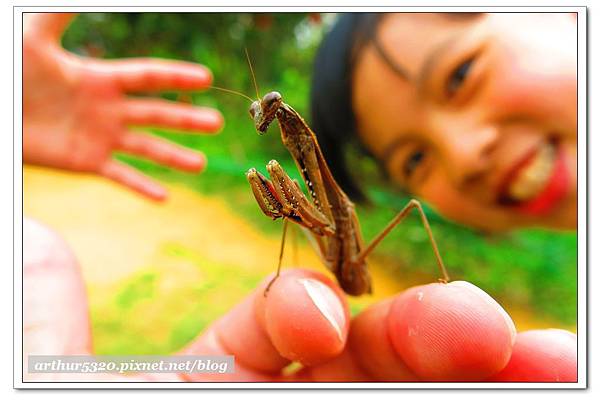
(448, 201)
(458, 206)
(544, 91)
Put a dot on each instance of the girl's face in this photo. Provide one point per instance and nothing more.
(483, 124)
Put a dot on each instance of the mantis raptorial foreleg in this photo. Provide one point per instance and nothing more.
(282, 197)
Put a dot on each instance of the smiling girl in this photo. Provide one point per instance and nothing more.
(474, 113)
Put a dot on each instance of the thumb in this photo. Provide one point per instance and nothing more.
(48, 25)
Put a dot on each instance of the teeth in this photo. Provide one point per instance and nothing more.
(532, 179)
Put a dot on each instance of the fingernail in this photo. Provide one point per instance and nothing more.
(484, 295)
(327, 303)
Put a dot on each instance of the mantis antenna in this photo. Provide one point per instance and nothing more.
(252, 73)
(232, 91)
(239, 93)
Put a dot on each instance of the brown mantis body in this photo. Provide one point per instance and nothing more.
(329, 215)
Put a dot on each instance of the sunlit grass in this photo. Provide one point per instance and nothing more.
(162, 308)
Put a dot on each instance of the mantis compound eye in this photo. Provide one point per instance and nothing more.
(272, 98)
(254, 109)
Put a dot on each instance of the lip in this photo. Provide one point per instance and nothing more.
(553, 192)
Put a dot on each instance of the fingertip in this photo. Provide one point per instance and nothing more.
(53, 24)
(492, 303)
(195, 161)
(215, 122)
(156, 193)
(203, 162)
(542, 356)
(305, 317)
(133, 179)
(207, 120)
(447, 332)
(207, 76)
(193, 76)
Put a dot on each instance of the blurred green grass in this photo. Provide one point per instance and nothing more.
(177, 301)
(533, 268)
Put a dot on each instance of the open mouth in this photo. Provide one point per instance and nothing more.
(538, 182)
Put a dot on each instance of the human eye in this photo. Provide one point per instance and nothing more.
(413, 160)
(458, 76)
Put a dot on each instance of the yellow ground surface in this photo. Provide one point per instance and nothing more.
(157, 274)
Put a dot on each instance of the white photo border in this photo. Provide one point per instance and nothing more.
(582, 181)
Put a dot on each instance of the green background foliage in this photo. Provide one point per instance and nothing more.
(534, 268)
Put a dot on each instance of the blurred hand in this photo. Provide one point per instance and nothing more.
(76, 113)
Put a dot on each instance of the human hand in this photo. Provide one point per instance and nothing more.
(435, 332)
(76, 112)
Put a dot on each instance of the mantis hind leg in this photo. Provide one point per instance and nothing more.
(413, 204)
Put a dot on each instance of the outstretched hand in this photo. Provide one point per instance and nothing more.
(76, 112)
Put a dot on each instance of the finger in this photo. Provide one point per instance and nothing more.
(542, 356)
(368, 356)
(162, 113)
(372, 348)
(161, 151)
(342, 368)
(303, 318)
(306, 316)
(151, 74)
(51, 25)
(450, 332)
(133, 179)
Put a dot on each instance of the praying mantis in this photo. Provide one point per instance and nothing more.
(328, 216)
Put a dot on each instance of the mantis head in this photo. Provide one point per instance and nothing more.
(264, 111)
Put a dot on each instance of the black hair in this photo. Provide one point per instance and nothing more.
(332, 118)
